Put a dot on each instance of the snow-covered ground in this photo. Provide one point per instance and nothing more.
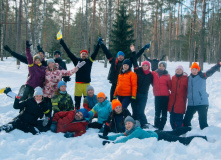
(19, 145)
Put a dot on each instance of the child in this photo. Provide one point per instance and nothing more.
(144, 79)
(133, 130)
(91, 100)
(115, 122)
(154, 62)
(197, 95)
(126, 84)
(103, 109)
(161, 87)
(32, 109)
(178, 97)
(62, 101)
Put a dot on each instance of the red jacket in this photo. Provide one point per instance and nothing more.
(161, 85)
(178, 94)
(65, 123)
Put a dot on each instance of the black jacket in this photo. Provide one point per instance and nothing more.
(84, 73)
(114, 68)
(61, 63)
(154, 62)
(31, 111)
(115, 122)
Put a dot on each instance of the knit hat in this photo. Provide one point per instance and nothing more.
(129, 119)
(128, 62)
(146, 62)
(38, 91)
(115, 103)
(90, 88)
(84, 112)
(164, 64)
(57, 52)
(61, 83)
(120, 53)
(36, 57)
(180, 67)
(195, 65)
(50, 60)
(101, 94)
(84, 50)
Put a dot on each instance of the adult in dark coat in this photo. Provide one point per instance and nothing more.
(83, 76)
(116, 64)
(154, 62)
(31, 110)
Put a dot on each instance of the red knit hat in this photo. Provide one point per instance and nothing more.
(146, 62)
(115, 103)
(84, 50)
(195, 65)
(101, 94)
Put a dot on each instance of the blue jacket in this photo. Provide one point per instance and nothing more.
(103, 111)
(197, 94)
(137, 133)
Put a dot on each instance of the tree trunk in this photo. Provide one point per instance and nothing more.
(155, 34)
(93, 28)
(181, 32)
(1, 20)
(82, 16)
(36, 27)
(170, 32)
(160, 34)
(64, 17)
(177, 30)
(69, 17)
(202, 43)
(6, 26)
(19, 40)
(108, 29)
(41, 24)
(85, 34)
(137, 29)
(141, 29)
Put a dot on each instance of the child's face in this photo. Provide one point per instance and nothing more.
(179, 71)
(38, 98)
(51, 65)
(194, 71)
(78, 116)
(41, 54)
(57, 55)
(37, 61)
(120, 58)
(63, 88)
(129, 125)
(145, 67)
(125, 66)
(90, 92)
(161, 67)
(118, 109)
(100, 99)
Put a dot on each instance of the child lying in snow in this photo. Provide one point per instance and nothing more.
(133, 130)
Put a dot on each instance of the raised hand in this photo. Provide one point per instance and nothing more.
(80, 64)
(100, 41)
(132, 48)
(146, 46)
(28, 44)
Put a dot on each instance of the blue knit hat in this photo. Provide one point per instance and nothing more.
(128, 62)
(61, 83)
(84, 112)
(120, 53)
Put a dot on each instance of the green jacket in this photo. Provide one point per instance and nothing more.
(62, 102)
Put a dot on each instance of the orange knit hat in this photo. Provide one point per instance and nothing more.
(84, 50)
(115, 103)
(195, 65)
(101, 94)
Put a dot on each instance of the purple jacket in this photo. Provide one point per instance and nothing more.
(36, 73)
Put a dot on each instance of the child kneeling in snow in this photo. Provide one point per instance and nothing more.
(103, 109)
(31, 110)
(115, 122)
(72, 123)
(133, 130)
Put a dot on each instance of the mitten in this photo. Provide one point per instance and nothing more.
(146, 46)
(100, 41)
(45, 121)
(66, 78)
(80, 64)
(133, 97)
(7, 89)
(69, 134)
(103, 137)
(114, 97)
(106, 142)
(28, 44)
(53, 127)
(7, 49)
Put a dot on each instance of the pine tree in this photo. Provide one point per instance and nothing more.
(122, 33)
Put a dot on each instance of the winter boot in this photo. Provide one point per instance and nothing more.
(156, 122)
(162, 123)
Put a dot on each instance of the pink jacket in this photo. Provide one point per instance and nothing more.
(52, 78)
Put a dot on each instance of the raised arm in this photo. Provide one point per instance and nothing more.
(105, 50)
(147, 58)
(134, 57)
(20, 57)
(211, 71)
(163, 57)
(94, 54)
(140, 52)
(73, 58)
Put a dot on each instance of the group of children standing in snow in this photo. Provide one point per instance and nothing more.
(45, 94)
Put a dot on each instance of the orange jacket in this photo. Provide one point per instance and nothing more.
(126, 84)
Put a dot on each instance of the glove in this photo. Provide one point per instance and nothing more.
(66, 78)
(100, 41)
(80, 64)
(45, 121)
(53, 127)
(114, 97)
(103, 137)
(7, 49)
(28, 44)
(7, 89)
(106, 142)
(69, 134)
(39, 47)
(146, 46)
(133, 97)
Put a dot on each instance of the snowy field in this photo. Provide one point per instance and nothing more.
(47, 146)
